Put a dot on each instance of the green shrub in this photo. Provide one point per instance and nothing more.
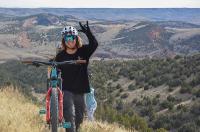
(195, 109)
(161, 130)
(155, 101)
(170, 89)
(167, 104)
(182, 107)
(118, 86)
(125, 95)
(185, 90)
(170, 98)
(147, 111)
(195, 81)
(189, 127)
(146, 87)
(121, 90)
(131, 122)
(197, 93)
(177, 57)
(132, 87)
(158, 96)
(174, 83)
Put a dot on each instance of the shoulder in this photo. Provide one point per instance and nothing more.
(83, 47)
(61, 53)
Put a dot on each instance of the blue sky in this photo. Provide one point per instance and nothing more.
(101, 3)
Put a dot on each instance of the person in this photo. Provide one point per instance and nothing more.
(91, 104)
(75, 77)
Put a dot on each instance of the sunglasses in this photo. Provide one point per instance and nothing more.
(69, 38)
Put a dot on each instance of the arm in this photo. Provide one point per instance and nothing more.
(93, 44)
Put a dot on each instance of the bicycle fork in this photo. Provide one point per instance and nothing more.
(60, 105)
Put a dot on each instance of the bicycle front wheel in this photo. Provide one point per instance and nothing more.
(54, 110)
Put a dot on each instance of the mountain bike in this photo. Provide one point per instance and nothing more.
(54, 95)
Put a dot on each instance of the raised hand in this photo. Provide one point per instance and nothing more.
(85, 28)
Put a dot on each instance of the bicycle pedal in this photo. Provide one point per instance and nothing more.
(66, 125)
(42, 111)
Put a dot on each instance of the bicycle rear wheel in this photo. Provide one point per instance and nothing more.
(54, 110)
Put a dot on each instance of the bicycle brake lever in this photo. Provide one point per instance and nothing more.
(36, 64)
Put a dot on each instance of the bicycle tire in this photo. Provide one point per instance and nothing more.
(54, 110)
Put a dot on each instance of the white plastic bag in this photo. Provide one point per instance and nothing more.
(91, 104)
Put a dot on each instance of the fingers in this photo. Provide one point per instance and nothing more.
(88, 28)
(81, 25)
(84, 28)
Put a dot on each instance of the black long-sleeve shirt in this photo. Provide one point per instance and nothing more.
(75, 77)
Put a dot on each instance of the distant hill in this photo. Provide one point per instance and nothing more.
(154, 37)
(152, 14)
(36, 30)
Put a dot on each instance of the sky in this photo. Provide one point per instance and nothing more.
(101, 3)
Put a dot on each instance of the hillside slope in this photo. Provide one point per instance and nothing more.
(18, 114)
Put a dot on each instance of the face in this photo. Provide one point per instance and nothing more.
(70, 41)
(71, 44)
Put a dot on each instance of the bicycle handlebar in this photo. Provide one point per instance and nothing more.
(54, 63)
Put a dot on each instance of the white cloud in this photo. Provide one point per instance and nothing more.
(100, 3)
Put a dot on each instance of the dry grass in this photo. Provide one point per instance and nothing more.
(100, 127)
(18, 114)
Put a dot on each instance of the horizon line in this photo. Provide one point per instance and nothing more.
(103, 7)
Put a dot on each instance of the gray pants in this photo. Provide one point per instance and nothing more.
(73, 110)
